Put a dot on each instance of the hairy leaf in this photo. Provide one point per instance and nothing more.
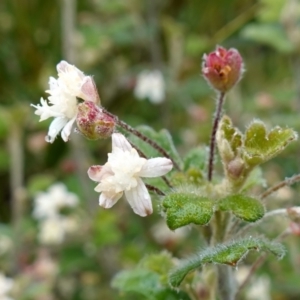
(183, 208)
(261, 145)
(229, 254)
(244, 207)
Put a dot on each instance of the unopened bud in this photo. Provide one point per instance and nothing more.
(92, 122)
(222, 68)
(235, 168)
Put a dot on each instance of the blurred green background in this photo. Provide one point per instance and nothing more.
(114, 40)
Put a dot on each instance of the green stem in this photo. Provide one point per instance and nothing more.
(225, 282)
(212, 145)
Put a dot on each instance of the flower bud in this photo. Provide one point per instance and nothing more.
(92, 122)
(235, 168)
(222, 68)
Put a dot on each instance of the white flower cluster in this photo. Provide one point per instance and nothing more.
(6, 285)
(64, 91)
(123, 171)
(122, 174)
(151, 85)
(54, 226)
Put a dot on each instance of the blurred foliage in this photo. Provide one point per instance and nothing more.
(114, 41)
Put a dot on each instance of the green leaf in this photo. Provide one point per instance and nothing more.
(229, 139)
(228, 254)
(231, 133)
(195, 163)
(140, 281)
(241, 153)
(196, 158)
(244, 207)
(170, 294)
(162, 138)
(261, 145)
(160, 263)
(183, 208)
(150, 279)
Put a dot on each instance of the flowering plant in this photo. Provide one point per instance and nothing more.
(225, 209)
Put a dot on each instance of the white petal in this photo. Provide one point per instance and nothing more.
(89, 91)
(155, 167)
(107, 200)
(94, 173)
(67, 130)
(119, 141)
(55, 127)
(62, 66)
(139, 199)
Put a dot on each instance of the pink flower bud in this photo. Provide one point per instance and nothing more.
(222, 68)
(92, 122)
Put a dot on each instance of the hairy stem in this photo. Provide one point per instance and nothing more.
(276, 187)
(155, 190)
(226, 285)
(212, 145)
(141, 136)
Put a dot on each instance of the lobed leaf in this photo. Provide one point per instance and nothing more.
(261, 145)
(244, 207)
(183, 208)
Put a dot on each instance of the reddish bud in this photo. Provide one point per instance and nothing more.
(222, 68)
(92, 122)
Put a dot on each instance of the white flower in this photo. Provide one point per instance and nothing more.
(121, 174)
(53, 231)
(150, 84)
(48, 204)
(71, 83)
(6, 285)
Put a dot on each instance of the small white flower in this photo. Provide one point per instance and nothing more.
(53, 231)
(150, 84)
(48, 204)
(71, 83)
(121, 174)
(6, 285)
